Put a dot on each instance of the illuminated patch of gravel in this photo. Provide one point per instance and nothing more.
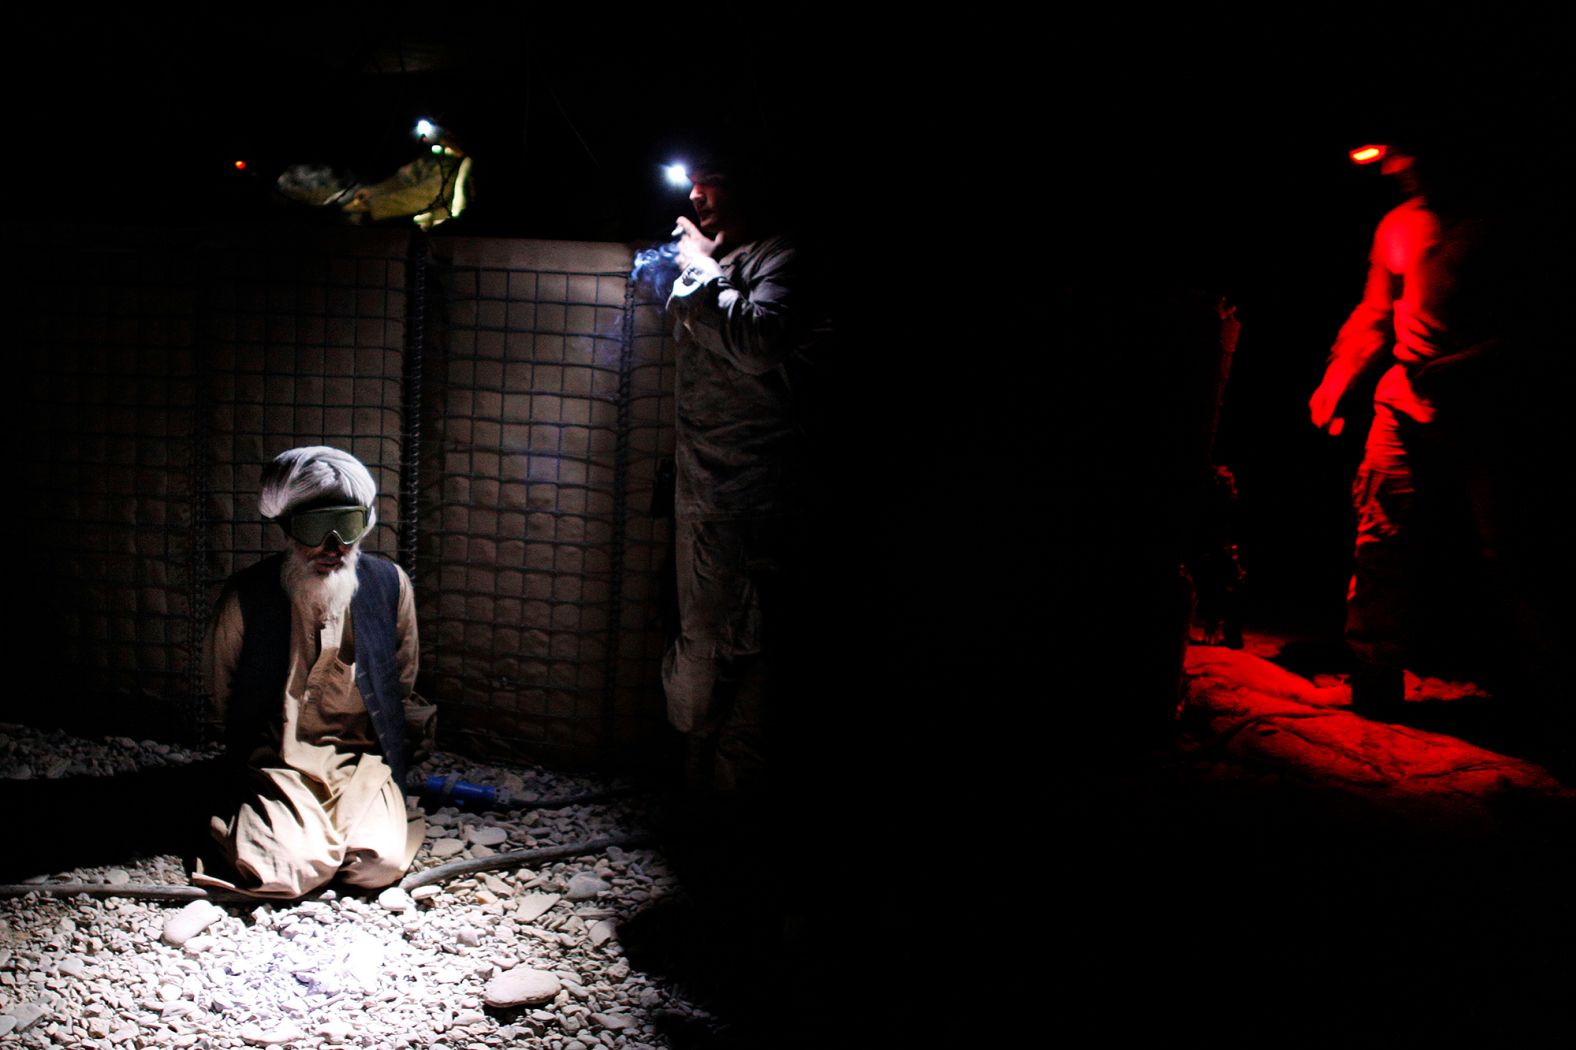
(345, 971)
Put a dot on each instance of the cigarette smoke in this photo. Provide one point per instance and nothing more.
(659, 266)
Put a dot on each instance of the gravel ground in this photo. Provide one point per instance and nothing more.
(340, 970)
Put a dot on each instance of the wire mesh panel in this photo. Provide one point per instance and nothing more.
(636, 711)
(304, 345)
(520, 539)
(104, 329)
(165, 371)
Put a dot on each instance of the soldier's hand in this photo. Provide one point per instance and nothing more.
(694, 244)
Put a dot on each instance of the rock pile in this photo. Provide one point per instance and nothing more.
(489, 960)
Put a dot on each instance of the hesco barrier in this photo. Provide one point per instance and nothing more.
(513, 399)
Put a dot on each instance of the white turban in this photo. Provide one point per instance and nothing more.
(316, 474)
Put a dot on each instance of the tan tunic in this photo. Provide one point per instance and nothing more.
(325, 802)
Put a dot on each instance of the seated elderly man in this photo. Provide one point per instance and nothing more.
(313, 662)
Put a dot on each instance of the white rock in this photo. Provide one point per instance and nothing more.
(26, 1015)
(257, 1035)
(395, 899)
(295, 978)
(533, 905)
(117, 876)
(182, 926)
(491, 835)
(521, 986)
(584, 887)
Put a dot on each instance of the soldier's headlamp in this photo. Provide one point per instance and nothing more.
(1368, 154)
(312, 528)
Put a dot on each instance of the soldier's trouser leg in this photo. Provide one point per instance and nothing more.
(715, 672)
(1385, 497)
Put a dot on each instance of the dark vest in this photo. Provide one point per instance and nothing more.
(264, 666)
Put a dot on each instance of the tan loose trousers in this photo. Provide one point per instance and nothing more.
(322, 802)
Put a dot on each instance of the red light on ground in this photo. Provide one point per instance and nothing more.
(1367, 154)
(240, 165)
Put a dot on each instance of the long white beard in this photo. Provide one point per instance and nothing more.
(319, 598)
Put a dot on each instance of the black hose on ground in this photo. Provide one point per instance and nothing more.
(425, 877)
(144, 891)
(519, 859)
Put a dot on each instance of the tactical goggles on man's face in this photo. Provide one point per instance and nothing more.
(312, 528)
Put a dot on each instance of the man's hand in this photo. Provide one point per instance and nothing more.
(1321, 406)
(693, 244)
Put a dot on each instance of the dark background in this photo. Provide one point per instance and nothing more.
(954, 178)
(987, 199)
(990, 202)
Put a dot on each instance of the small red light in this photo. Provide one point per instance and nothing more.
(1367, 154)
(240, 165)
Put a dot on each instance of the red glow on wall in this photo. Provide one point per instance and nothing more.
(1367, 154)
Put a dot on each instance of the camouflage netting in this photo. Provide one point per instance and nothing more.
(164, 369)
